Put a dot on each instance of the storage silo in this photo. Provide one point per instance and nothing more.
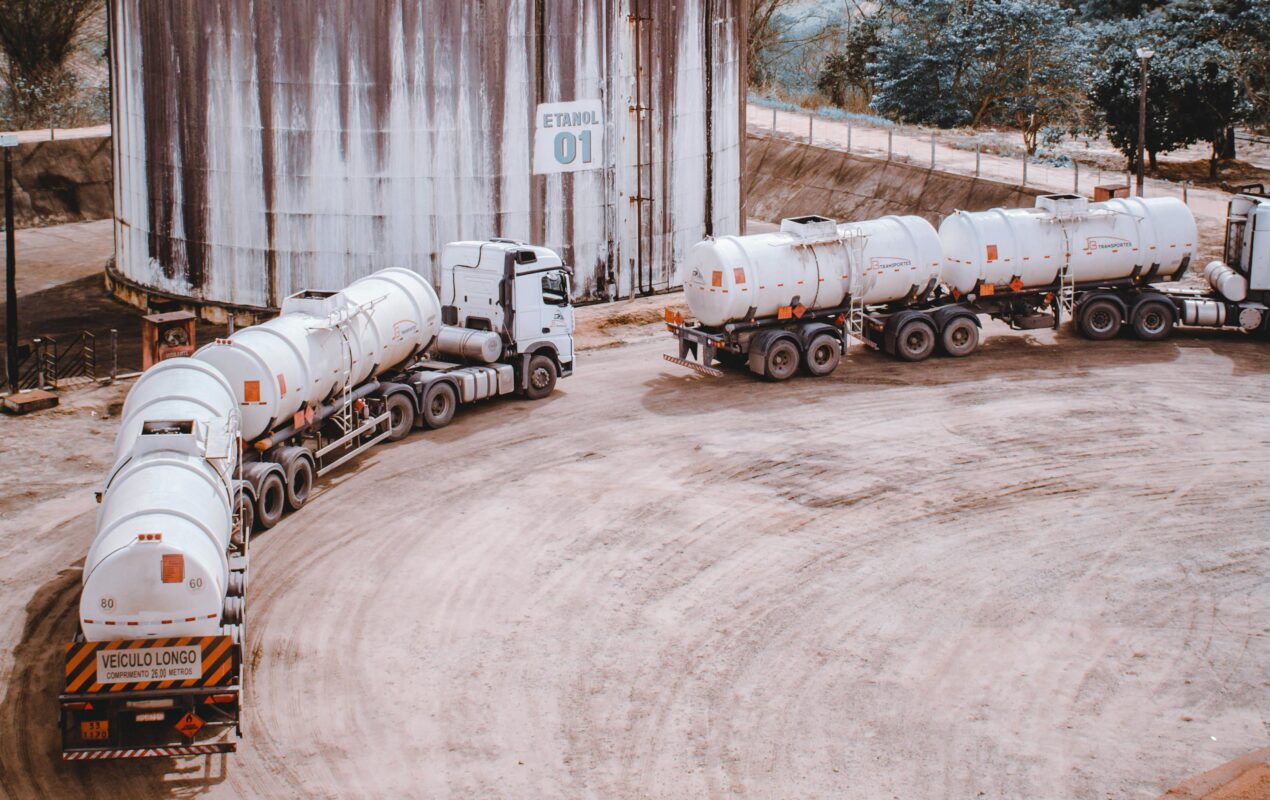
(268, 146)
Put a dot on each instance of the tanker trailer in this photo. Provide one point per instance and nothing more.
(339, 372)
(155, 667)
(1069, 258)
(774, 301)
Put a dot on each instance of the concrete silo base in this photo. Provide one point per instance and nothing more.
(150, 300)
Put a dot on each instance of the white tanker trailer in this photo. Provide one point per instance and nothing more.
(773, 300)
(823, 284)
(214, 446)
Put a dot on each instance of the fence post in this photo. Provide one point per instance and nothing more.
(932, 150)
(890, 134)
(114, 354)
(848, 136)
(1025, 169)
(1185, 194)
(37, 347)
(773, 121)
(1075, 177)
(977, 148)
(810, 119)
(1128, 179)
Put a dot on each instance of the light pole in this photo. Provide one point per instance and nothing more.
(9, 141)
(1145, 54)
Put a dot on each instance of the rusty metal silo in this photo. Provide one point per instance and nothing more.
(268, 146)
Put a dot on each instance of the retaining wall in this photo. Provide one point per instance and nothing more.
(790, 179)
(61, 181)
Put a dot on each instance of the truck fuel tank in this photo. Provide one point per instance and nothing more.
(469, 344)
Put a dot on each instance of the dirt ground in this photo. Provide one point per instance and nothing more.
(1039, 572)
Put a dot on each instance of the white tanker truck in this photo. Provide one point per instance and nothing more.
(216, 445)
(776, 301)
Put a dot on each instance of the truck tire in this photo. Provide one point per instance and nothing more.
(438, 405)
(1152, 320)
(781, 361)
(960, 337)
(271, 500)
(1100, 319)
(915, 341)
(541, 378)
(823, 355)
(246, 507)
(300, 476)
(401, 417)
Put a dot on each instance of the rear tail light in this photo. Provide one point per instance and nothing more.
(78, 706)
(220, 698)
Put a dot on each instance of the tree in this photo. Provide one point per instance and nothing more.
(847, 70)
(1116, 88)
(1212, 100)
(957, 62)
(38, 38)
(1111, 10)
(1194, 93)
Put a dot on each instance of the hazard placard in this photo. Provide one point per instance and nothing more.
(189, 724)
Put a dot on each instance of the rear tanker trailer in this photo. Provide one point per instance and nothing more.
(773, 302)
(215, 446)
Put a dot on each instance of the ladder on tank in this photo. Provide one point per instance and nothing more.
(1065, 300)
(853, 324)
(351, 434)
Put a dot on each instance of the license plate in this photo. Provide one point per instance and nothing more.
(95, 730)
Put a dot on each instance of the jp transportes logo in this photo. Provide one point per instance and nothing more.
(882, 263)
(1113, 243)
(403, 329)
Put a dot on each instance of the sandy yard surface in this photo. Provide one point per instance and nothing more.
(1038, 572)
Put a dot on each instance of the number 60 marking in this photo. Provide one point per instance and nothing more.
(566, 147)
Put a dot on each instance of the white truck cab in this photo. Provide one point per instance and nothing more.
(520, 291)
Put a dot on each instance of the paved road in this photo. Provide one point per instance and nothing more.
(1038, 572)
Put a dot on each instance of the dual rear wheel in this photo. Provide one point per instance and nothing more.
(1101, 318)
(820, 358)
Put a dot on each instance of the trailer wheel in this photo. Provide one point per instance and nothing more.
(960, 337)
(299, 482)
(271, 501)
(1152, 321)
(542, 377)
(438, 405)
(915, 340)
(823, 355)
(1100, 319)
(401, 417)
(245, 506)
(781, 361)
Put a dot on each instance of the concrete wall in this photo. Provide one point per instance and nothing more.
(789, 179)
(61, 181)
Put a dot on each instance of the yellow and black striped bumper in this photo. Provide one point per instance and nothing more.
(138, 665)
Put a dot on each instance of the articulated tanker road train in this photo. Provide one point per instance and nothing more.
(217, 445)
(774, 301)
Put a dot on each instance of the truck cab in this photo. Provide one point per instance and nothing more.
(520, 291)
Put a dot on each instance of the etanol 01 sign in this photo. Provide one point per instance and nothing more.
(568, 137)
